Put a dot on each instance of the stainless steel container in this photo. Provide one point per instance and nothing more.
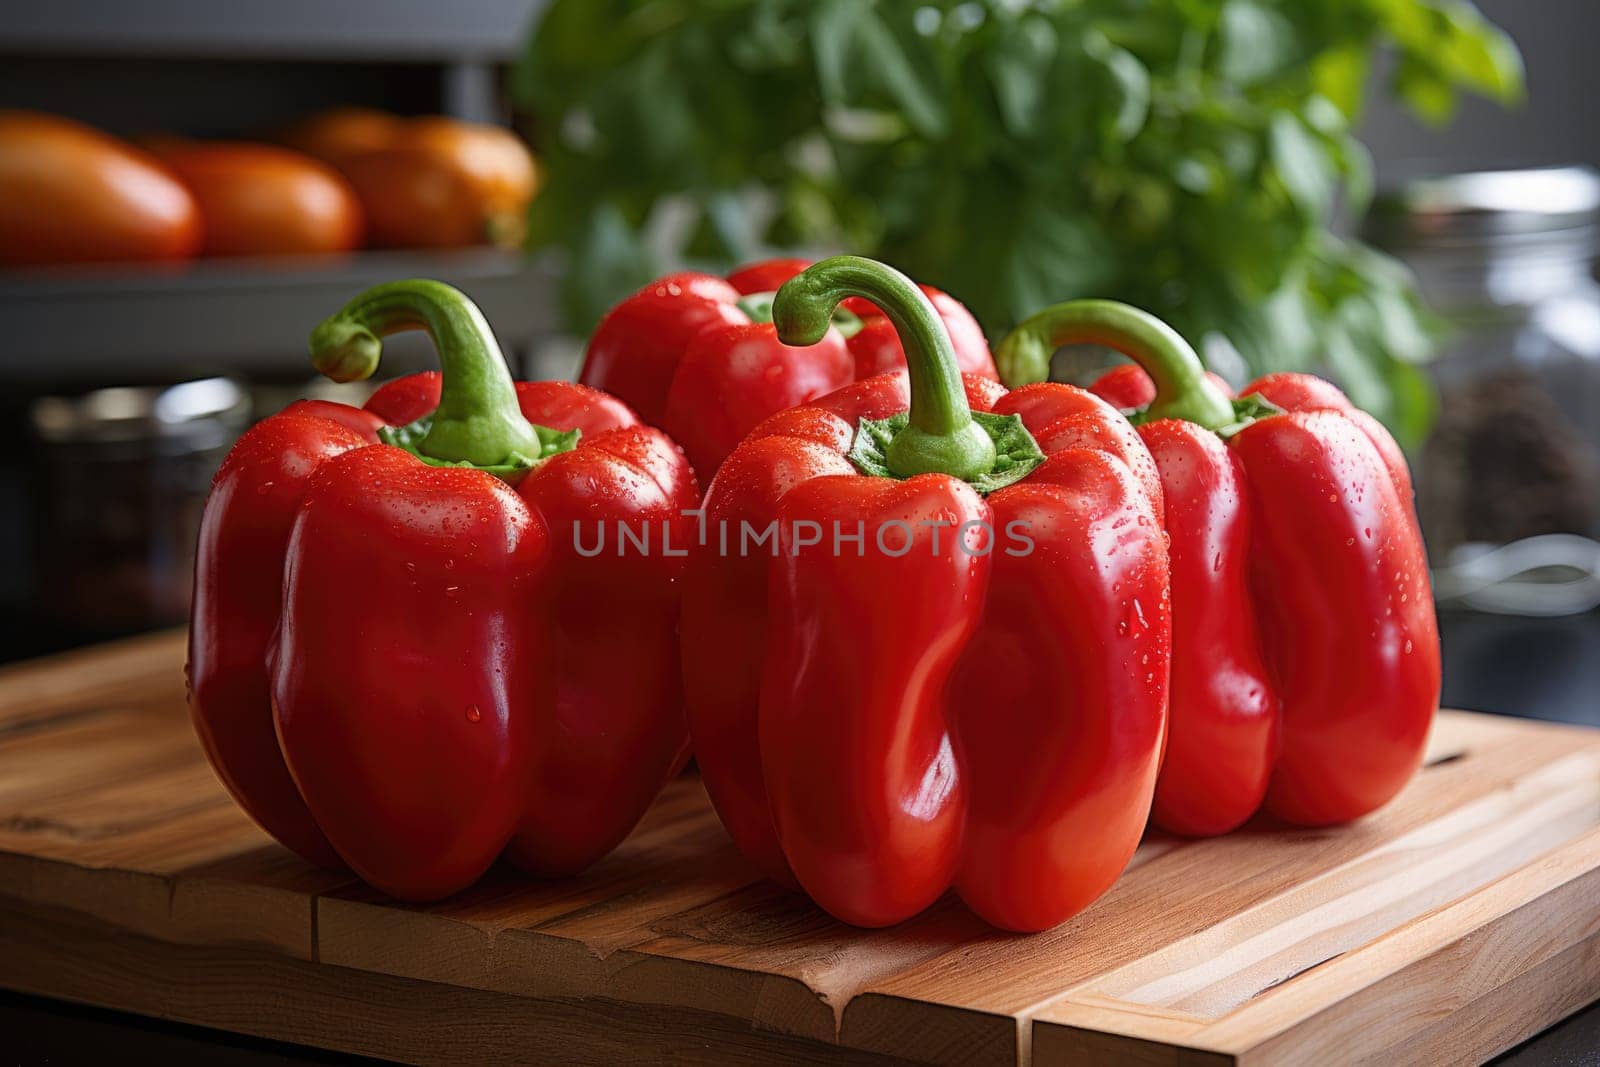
(120, 479)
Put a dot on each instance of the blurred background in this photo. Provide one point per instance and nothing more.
(1397, 194)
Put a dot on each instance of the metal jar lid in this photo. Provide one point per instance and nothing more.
(198, 413)
(1486, 207)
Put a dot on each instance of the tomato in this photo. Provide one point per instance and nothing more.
(430, 182)
(261, 200)
(71, 194)
(335, 135)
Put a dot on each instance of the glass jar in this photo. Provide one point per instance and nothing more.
(121, 477)
(1508, 483)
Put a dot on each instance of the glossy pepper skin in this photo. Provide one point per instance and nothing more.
(698, 355)
(1305, 669)
(876, 726)
(399, 659)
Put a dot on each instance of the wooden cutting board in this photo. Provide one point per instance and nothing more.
(1461, 919)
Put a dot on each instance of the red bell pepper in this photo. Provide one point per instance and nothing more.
(948, 664)
(699, 357)
(1306, 670)
(399, 660)
(1128, 388)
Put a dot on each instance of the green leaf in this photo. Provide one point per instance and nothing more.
(1185, 156)
(1018, 66)
(869, 451)
(1414, 403)
(884, 56)
(1303, 164)
(1194, 176)
(1016, 452)
(1356, 163)
(1479, 55)
(1447, 46)
(1255, 41)
(1051, 254)
(833, 32)
(1340, 75)
(1360, 377)
(409, 437)
(1287, 322)
(1428, 95)
(1399, 328)
(732, 221)
(1130, 86)
(608, 261)
(1246, 410)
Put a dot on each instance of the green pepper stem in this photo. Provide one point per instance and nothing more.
(1182, 389)
(478, 421)
(940, 436)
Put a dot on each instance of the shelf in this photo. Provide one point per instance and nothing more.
(390, 30)
(251, 317)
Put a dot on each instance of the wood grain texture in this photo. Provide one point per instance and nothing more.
(1456, 922)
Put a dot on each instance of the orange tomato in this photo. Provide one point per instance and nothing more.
(336, 135)
(71, 194)
(430, 182)
(263, 200)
